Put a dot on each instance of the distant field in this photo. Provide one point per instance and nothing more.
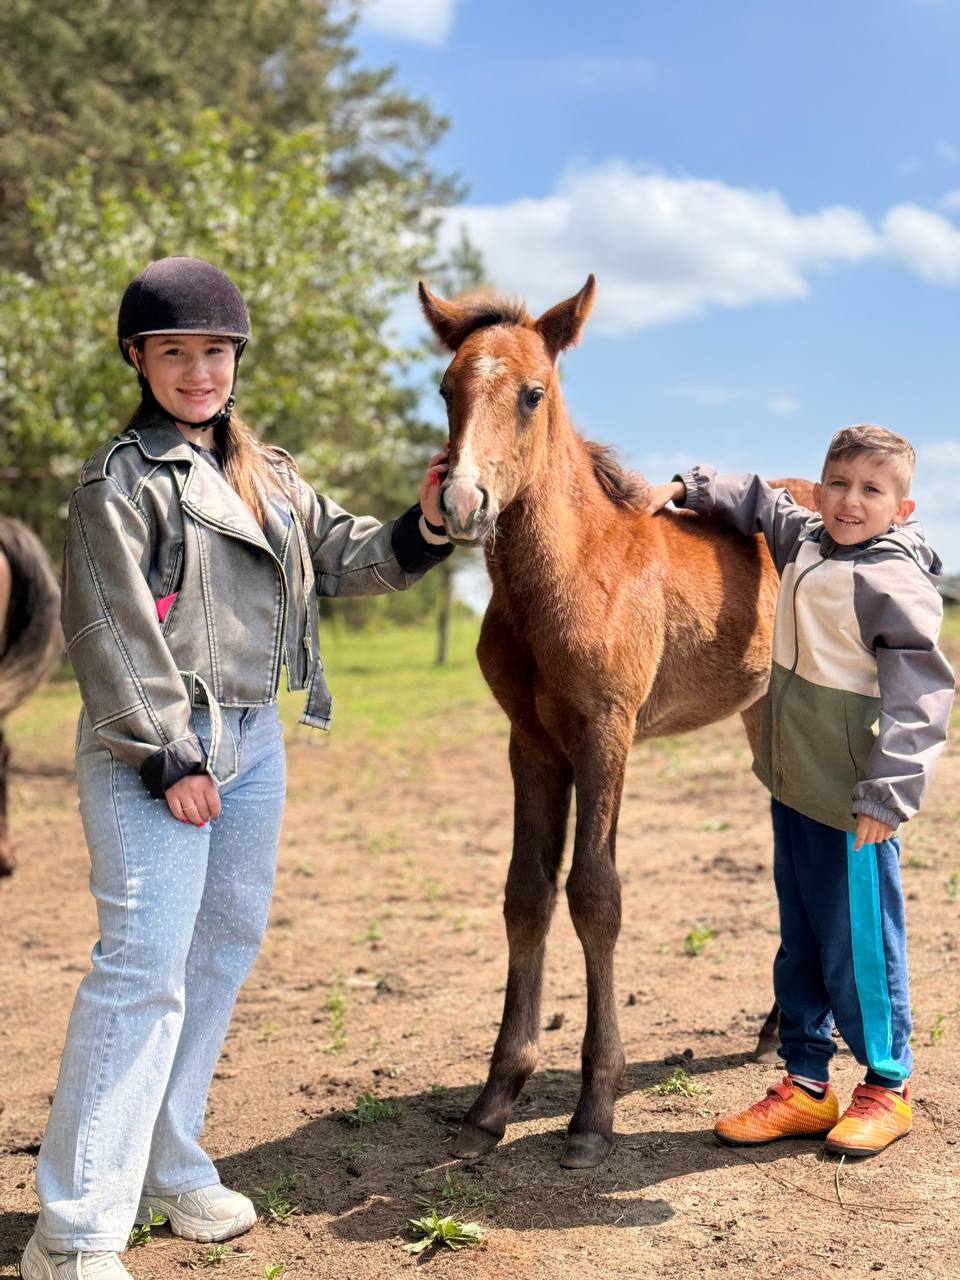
(384, 680)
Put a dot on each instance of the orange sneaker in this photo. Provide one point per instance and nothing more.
(786, 1112)
(875, 1118)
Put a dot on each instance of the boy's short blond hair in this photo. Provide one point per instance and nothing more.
(852, 442)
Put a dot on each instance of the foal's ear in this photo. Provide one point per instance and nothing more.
(450, 321)
(560, 326)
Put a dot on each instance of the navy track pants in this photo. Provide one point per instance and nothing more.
(843, 956)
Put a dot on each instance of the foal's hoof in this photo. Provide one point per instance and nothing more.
(473, 1142)
(585, 1150)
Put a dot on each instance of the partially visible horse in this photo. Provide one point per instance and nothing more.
(30, 640)
(605, 625)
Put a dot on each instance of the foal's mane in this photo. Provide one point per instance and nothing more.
(623, 488)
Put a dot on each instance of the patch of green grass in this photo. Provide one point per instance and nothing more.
(677, 1082)
(369, 1109)
(938, 1027)
(216, 1255)
(715, 824)
(432, 1231)
(276, 1201)
(461, 1195)
(953, 886)
(336, 1005)
(267, 1031)
(274, 1270)
(142, 1234)
(372, 933)
(697, 939)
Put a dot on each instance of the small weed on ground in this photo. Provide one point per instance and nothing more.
(433, 1231)
(274, 1270)
(697, 939)
(953, 886)
(370, 1109)
(276, 1201)
(336, 1005)
(677, 1082)
(142, 1234)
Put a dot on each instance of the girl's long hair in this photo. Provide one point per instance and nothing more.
(245, 460)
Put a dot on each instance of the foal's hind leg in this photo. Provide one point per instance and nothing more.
(542, 782)
(593, 891)
(768, 1041)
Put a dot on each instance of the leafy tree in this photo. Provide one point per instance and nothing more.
(319, 271)
(94, 79)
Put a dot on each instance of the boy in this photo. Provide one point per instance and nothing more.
(853, 723)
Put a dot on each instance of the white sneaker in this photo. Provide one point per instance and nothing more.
(39, 1263)
(210, 1213)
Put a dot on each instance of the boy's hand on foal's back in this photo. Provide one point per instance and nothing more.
(871, 831)
(430, 486)
(661, 494)
(194, 799)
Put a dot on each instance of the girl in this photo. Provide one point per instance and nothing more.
(194, 560)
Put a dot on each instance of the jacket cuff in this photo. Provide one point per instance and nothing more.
(171, 763)
(870, 809)
(698, 490)
(414, 554)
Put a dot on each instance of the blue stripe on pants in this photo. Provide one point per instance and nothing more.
(869, 959)
(842, 952)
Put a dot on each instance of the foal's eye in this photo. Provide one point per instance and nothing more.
(444, 394)
(532, 397)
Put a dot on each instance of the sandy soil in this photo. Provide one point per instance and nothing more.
(382, 973)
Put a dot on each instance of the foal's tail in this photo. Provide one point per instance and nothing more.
(31, 639)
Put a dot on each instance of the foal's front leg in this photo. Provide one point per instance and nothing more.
(542, 783)
(593, 892)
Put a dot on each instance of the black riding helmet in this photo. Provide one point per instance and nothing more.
(183, 295)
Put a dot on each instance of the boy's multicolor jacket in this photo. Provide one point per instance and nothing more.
(860, 694)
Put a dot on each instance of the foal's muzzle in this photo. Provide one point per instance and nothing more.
(467, 513)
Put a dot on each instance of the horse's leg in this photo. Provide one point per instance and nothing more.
(593, 892)
(542, 781)
(7, 860)
(768, 1041)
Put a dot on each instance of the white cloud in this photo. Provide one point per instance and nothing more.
(662, 247)
(927, 242)
(951, 201)
(426, 21)
(782, 405)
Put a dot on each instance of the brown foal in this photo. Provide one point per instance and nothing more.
(605, 625)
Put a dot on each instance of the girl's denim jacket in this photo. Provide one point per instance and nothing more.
(150, 519)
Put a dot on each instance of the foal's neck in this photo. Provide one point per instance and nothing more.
(542, 544)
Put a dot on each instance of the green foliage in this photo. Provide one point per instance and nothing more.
(143, 1233)
(697, 939)
(432, 1230)
(677, 1082)
(370, 1109)
(319, 272)
(276, 1201)
(336, 1005)
(95, 79)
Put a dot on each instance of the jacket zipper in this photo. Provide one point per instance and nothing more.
(778, 720)
(242, 537)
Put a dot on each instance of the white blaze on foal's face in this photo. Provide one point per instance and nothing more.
(859, 498)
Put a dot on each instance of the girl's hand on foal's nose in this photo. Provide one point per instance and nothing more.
(437, 468)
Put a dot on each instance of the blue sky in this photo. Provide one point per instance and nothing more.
(768, 193)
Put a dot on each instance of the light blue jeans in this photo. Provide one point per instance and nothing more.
(182, 911)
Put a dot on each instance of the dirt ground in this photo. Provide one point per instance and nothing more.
(382, 973)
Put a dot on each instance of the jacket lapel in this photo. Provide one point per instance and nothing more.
(206, 494)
